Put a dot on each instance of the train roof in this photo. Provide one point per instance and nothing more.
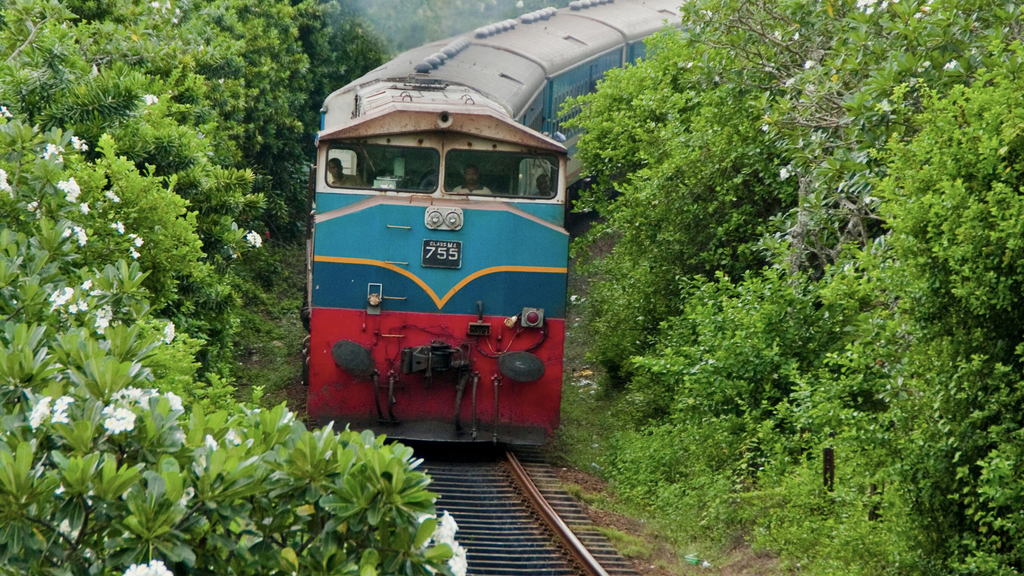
(509, 62)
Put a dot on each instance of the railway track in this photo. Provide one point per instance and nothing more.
(515, 519)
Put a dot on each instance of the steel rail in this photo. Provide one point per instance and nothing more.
(576, 548)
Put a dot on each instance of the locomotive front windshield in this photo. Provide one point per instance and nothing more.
(501, 174)
(378, 167)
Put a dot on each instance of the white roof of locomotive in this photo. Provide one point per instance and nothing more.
(508, 68)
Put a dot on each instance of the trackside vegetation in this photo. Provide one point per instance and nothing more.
(818, 240)
(147, 152)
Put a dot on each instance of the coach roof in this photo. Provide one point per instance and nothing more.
(512, 64)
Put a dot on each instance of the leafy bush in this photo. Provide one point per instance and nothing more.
(697, 182)
(957, 214)
(887, 325)
(106, 476)
(101, 469)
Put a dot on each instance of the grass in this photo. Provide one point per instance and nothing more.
(628, 545)
(269, 340)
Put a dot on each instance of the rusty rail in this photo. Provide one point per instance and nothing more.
(576, 549)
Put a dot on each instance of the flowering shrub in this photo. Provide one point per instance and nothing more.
(108, 478)
(102, 470)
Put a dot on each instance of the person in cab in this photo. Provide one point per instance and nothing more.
(471, 182)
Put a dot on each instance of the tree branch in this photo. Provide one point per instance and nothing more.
(32, 36)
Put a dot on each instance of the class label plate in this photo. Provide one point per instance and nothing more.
(442, 254)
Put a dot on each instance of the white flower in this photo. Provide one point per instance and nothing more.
(796, 36)
(169, 332)
(4, 186)
(137, 570)
(178, 436)
(62, 403)
(764, 128)
(175, 401)
(118, 226)
(53, 150)
(87, 285)
(113, 197)
(446, 529)
(149, 98)
(154, 568)
(70, 188)
(288, 418)
(132, 394)
(138, 241)
(809, 64)
(5, 112)
(118, 419)
(187, 495)
(79, 144)
(458, 562)
(154, 4)
(61, 297)
(134, 253)
(211, 443)
(59, 490)
(60, 410)
(84, 207)
(254, 239)
(232, 437)
(39, 412)
(103, 317)
(73, 308)
(82, 238)
(65, 528)
(157, 568)
(32, 206)
(784, 173)
(951, 65)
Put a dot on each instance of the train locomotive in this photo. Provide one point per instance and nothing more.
(437, 254)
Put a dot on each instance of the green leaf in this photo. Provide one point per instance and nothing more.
(289, 560)
(425, 531)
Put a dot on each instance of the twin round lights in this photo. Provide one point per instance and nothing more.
(441, 218)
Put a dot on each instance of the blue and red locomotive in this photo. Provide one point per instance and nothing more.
(438, 253)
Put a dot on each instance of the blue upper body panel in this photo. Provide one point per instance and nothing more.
(511, 257)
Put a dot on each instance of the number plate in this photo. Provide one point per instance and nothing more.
(442, 254)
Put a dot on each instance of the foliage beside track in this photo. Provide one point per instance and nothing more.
(819, 246)
(101, 469)
(146, 150)
(216, 101)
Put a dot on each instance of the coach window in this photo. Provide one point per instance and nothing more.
(378, 167)
(501, 174)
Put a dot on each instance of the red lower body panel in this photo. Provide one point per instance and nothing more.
(412, 406)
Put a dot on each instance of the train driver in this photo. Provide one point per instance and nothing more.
(543, 185)
(471, 182)
(336, 175)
